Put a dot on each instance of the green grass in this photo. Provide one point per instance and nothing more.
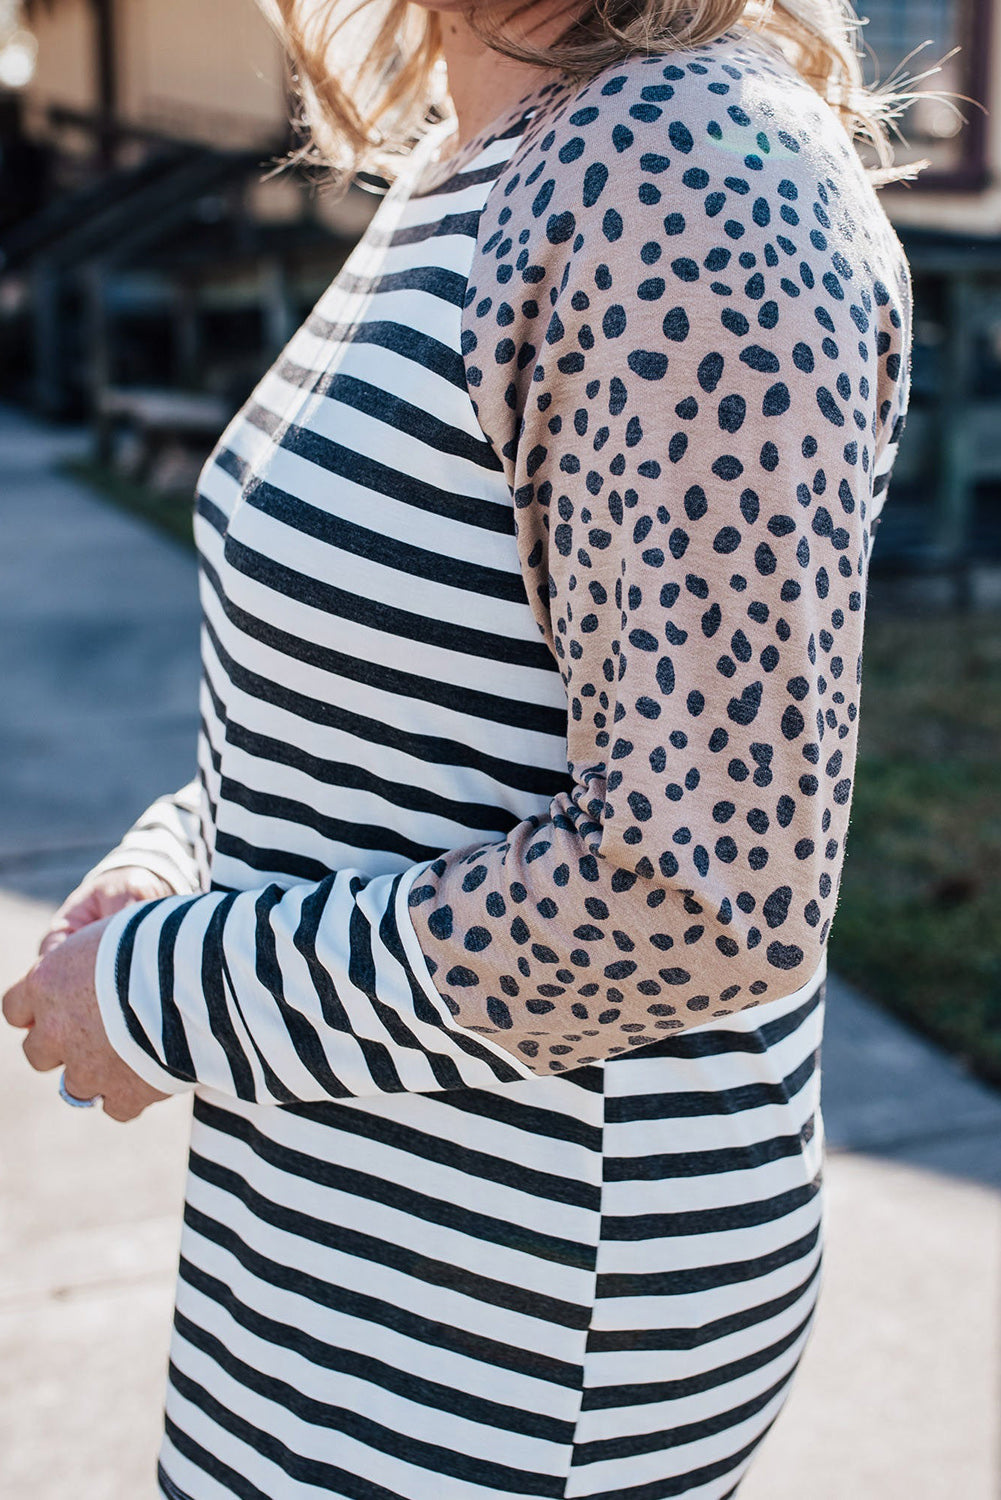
(170, 511)
(918, 925)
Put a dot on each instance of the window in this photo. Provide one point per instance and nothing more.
(933, 129)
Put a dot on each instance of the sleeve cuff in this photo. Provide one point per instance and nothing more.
(109, 1004)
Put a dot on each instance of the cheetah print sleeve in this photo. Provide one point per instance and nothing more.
(687, 336)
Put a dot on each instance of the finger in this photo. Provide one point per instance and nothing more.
(110, 902)
(74, 921)
(19, 1004)
(82, 1083)
(52, 939)
(42, 1050)
(121, 1108)
(79, 908)
(149, 889)
(56, 934)
(70, 920)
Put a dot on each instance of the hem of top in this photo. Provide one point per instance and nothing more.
(108, 1003)
(414, 954)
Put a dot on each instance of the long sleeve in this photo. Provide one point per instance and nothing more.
(165, 839)
(686, 373)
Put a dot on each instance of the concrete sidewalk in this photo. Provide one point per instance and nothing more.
(899, 1395)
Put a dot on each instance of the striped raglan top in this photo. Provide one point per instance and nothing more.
(532, 576)
(533, 579)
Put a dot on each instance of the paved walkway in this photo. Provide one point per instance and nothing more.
(899, 1396)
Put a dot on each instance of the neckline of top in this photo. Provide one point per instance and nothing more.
(435, 170)
(431, 171)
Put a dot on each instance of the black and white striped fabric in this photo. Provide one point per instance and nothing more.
(411, 1269)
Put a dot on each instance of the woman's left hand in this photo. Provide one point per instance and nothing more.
(57, 1002)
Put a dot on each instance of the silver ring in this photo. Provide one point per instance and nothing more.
(71, 1099)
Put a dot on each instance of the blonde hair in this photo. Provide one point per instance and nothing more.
(371, 79)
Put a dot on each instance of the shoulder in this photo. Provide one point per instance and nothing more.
(731, 108)
(717, 144)
(709, 190)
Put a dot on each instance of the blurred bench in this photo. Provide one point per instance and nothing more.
(157, 418)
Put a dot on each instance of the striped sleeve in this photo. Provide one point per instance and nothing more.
(166, 839)
(688, 418)
(279, 996)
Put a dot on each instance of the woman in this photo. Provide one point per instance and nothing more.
(491, 939)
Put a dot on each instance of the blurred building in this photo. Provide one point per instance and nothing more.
(210, 72)
(151, 258)
(961, 41)
(144, 249)
(947, 488)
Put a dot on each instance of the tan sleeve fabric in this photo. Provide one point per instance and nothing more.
(687, 335)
